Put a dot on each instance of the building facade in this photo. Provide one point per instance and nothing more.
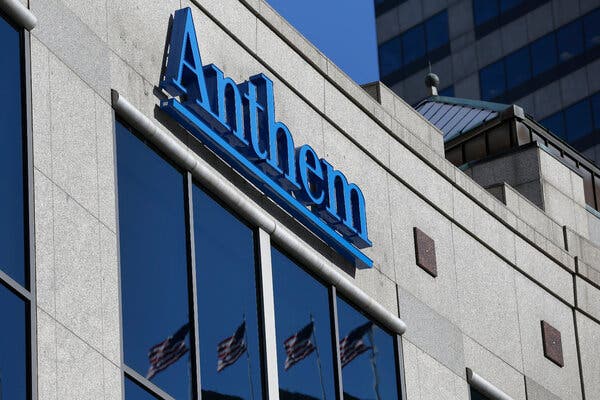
(539, 54)
(201, 205)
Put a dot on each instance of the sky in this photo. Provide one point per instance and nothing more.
(344, 30)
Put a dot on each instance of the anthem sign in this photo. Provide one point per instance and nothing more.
(237, 121)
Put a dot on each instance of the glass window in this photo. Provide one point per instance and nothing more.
(591, 27)
(413, 44)
(506, 5)
(555, 124)
(230, 358)
(543, 54)
(518, 68)
(134, 392)
(595, 100)
(302, 324)
(485, 10)
(437, 31)
(12, 148)
(368, 356)
(154, 264)
(13, 346)
(578, 120)
(447, 91)
(492, 81)
(390, 56)
(569, 40)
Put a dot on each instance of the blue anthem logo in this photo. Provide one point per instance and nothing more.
(237, 121)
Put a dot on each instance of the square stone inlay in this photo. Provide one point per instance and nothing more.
(552, 344)
(425, 252)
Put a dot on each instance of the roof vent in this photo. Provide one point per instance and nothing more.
(432, 82)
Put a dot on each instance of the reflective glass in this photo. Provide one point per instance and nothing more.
(135, 392)
(448, 91)
(485, 10)
(12, 212)
(227, 306)
(591, 26)
(153, 264)
(390, 56)
(302, 322)
(475, 395)
(578, 120)
(555, 124)
(518, 67)
(506, 5)
(413, 44)
(595, 100)
(569, 40)
(543, 54)
(436, 28)
(492, 82)
(13, 346)
(368, 356)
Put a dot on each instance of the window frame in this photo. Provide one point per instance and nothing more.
(27, 292)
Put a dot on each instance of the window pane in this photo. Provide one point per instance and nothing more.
(578, 120)
(13, 346)
(492, 81)
(153, 260)
(485, 10)
(475, 395)
(413, 44)
(555, 124)
(506, 5)
(12, 213)
(375, 364)
(595, 100)
(591, 26)
(518, 68)
(569, 40)
(300, 300)
(134, 392)
(543, 54)
(390, 56)
(437, 31)
(448, 91)
(226, 282)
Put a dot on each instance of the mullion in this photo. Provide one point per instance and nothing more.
(335, 343)
(192, 286)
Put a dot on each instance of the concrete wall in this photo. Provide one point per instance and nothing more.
(498, 275)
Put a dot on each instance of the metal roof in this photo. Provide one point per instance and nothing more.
(454, 116)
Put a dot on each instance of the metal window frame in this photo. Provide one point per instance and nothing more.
(17, 15)
(267, 231)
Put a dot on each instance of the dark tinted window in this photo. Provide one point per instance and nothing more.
(390, 56)
(413, 44)
(135, 392)
(153, 261)
(302, 320)
(12, 213)
(13, 346)
(591, 26)
(368, 356)
(447, 91)
(518, 69)
(475, 395)
(555, 124)
(543, 54)
(578, 120)
(595, 100)
(485, 10)
(569, 40)
(437, 31)
(492, 81)
(227, 304)
(506, 5)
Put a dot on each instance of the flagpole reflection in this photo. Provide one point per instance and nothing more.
(318, 358)
(249, 365)
(374, 363)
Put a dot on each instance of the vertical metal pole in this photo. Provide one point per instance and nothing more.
(192, 287)
(247, 359)
(335, 343)
(318, 358)
(270, 370)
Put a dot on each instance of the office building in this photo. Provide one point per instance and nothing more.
(539, 54)
(199, 204)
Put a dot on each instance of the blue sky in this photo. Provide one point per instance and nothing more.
(344, 30)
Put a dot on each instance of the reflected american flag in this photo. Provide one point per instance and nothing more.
(167, 352)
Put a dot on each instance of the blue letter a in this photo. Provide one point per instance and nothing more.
(184, 76)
